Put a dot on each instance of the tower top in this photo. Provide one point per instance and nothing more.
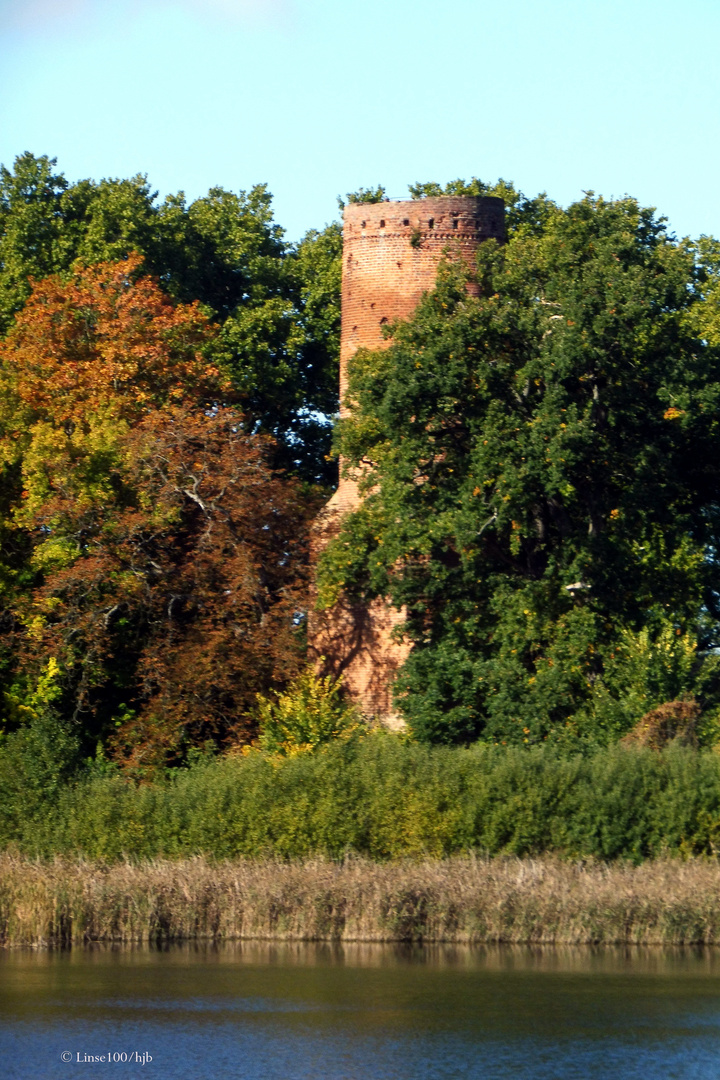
(438, 218)
(391, 252)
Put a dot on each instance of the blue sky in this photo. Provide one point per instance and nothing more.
(320, 97)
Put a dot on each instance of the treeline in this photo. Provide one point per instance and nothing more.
(541, 474)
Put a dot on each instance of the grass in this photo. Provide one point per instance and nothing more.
(469, 900)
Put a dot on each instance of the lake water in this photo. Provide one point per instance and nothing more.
(284, 1012)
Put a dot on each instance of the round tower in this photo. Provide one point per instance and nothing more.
(391, 252)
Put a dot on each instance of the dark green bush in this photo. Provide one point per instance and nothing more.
(37, 763)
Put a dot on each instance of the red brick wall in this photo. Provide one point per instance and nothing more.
(391, 252)
(385, 275)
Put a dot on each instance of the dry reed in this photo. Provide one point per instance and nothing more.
(464, 900)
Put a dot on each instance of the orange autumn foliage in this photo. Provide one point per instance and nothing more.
(106, 337)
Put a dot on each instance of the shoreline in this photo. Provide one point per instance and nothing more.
(455, 901)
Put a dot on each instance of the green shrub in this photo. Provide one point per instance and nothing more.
(311, 713)
(36, 764)
(386, 798)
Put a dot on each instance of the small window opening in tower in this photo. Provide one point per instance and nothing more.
(406, 221)
(362, 224)
(431, 223)
(455, 223)
(383, 320)
(382, 223)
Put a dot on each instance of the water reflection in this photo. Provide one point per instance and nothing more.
(280, 1011)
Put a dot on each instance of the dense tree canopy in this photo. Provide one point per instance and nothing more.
(541, 467)
(153, 563)
(543, 493)
(276, 305)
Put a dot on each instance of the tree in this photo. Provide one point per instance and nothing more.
(105, 334)
(30, 229)
(520, 211)
(48, 224)
(223, 250)
(184, 604)
(364, 195)
(282, 353)
(542, 496)
(165, 560)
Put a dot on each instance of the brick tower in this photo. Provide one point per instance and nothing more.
(391, 252)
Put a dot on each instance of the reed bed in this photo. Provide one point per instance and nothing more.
(467, 900)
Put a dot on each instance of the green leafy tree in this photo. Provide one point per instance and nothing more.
(31, 227)
(281, 348)
(544, 480)
(520, 211)
(704, 316)
(364, 195)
